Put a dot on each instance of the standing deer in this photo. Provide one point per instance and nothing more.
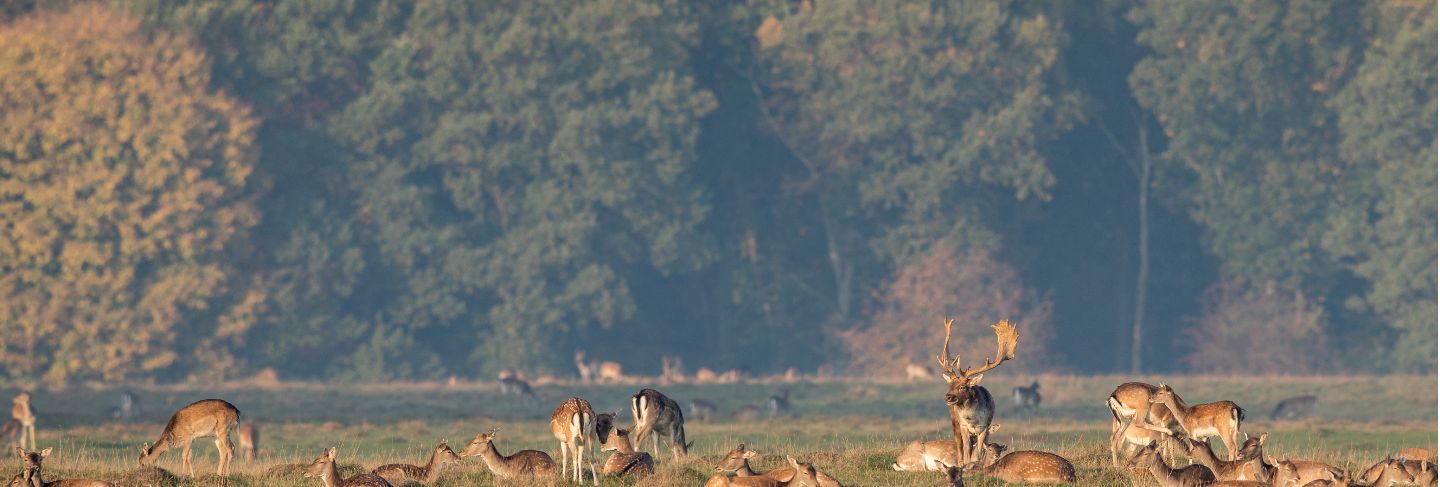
(23, 413)
(572, 423)
(1220, 418)
(517, 387)
(672, 370)
(1027, 466)
(626, 461)
(324, 469)
(702, 410)
(207, 417)
(129, 407)
(249, 439)
(656, 413)
(587, 369)
(779, 405)
(1026, 397)
(428, 474)
(524, 463)
(31, 475)
(1135, 421)
(971, 406)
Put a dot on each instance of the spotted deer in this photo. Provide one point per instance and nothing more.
(626, 461)
(1423, 454)
(1026, 466)
(32, 474)
(428, 475)
(324, 469)
(737, 463)
(1391, 471)
(1190, 476)
(207, 417)
(1135, 421)
(1220, 418)
(657, 414)
(523, 463)
(572, 424)
(22, 412)
(971, 406)
(248, 436)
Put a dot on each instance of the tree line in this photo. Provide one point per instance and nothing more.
(394, 190)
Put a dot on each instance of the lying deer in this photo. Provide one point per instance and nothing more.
(31, 475)
(1250, 465)
(625, 461)
(802, 475)
(524, 463)
(923, 455)
(1026, 466)
(1191, 476)
(324, 469)
(399, 472)
(737, 462)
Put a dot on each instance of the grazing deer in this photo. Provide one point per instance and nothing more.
(1026, 397)
(732, 376)
(779, 405)
(324, 469)
(656, 413)
(248, 436)
(1190, 476)
(23, 413)
(1135, 421)
(517, 387)
(207, 417)
(31, 476)
(1220, 418)
(918, 456)
(705, 375)
(971, 406)
(737, 463)
(915, 371)
(428, 474)
(1026, 466)
(626, 461)
(954, 476)
(510, 373)
(610, 371)
(129, 407)
(702, 410)
(1297, 407)
(572, 424)
(524, 463)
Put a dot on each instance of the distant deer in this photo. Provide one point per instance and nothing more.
(1026, 466)
(523, 463)
(516, 387)
(324, 469)
(603, 371)
(1026, 397)
(626, 461)
(915, 371)
(779, 405)
(1190, 476)
(704, 375)
(702, 410)
(924, 455)
(971, 406)
(1135, 420)
(129, 407)
(587, 369)
(672, 370)
(1220, 418)
(1301, 472)
(1421, 454)
(748, 412)
(31, 476)
(1298, 407)
(656, 413)
(23, 413)
(207, 417)
(10, 431)
(249, 439)
(428, 475)
(572, 424)
(737, 462)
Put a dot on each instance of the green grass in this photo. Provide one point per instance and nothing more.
(851, 430)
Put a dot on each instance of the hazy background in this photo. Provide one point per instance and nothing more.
(403, 190)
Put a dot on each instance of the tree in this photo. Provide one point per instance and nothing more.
(122, 195)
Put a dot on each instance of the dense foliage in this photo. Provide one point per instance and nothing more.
(377, 190)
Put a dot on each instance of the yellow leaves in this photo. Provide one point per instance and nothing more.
(770, 33)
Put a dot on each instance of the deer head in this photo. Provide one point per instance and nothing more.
(961, 379)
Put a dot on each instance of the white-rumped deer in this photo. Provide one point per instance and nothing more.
(656, 414)
(1219, 418)
(428, 475)
(324, 469)
(971, 406)
(1135, 421)
(573, 424)
(523, 463)
(206, 417)
(22, 412)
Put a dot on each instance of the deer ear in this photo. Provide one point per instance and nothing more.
(793, 463)
(330, 453)
(18, 452)
(144, 448)
(46, 452)
(751, 453)
(975, 379)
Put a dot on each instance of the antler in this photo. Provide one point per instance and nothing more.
(946, 364)
(1005, 340)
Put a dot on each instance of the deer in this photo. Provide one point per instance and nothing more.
(954, 476)
(702, 410)
(1298, 473)
(934, 455)
(672, 370)
(129, 407)
(1298, 407)
(428, 475)
(604, 424)
(1250, 465)
(572, 424)
(517, 387)
(1131, 419)
(206, 417)
(971, 406)
(1191, 476)
(1220, 418)
(523, 463)
(626, 461)
(248, 436)
(1026, 466)
(31, 475)
(656, 413)
(737, 463)
(23, 413)
(915, 371)
(800, 474)
(1026, 397)
(779, 405)
(1390, 471)
(10, 431)
(324, 469)
(587, 369)
(705, 375)
(1421, 454)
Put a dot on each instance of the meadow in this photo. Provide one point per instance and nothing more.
(849, 429)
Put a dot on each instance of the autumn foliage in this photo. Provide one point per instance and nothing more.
(1257, 330)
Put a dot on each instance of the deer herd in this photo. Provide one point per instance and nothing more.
(1148, 423)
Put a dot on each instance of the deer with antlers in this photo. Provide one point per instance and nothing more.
(971, 406)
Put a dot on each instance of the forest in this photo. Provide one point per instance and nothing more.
(381, 190)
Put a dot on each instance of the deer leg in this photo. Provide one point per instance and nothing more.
(979, 445)
(965, 446)
(185, 459)
(220, 452)
(564, 458)
(594, 477)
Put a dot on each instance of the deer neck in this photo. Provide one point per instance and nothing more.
(1206, 456)
(745, 470)
(494, 460)
(330, 475)
(1164, 474)
(622, 445)
(432, 469)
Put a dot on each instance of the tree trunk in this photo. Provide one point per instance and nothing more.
(1142, 277)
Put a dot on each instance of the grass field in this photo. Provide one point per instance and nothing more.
(851, 430)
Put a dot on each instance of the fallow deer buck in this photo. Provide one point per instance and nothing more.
(1191, 476)
(31, 475)
(626, 461)
(428, 475)
(1026, 466)
(523, 463)
(248, 436)
(324, 469)
(971, 406)
(206, 417)
(1220, 418)
(23, 413)
(572, 423)
(1135, 421)
(657, 414)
